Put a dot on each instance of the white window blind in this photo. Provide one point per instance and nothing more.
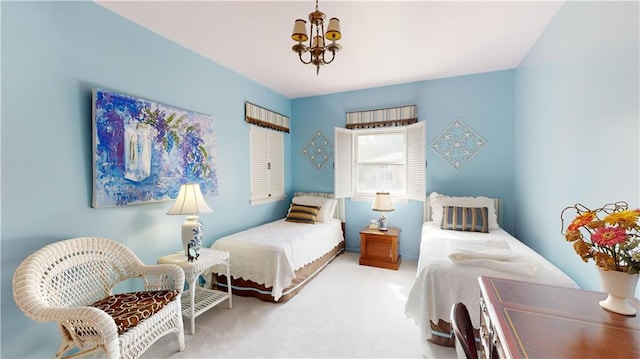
(267, 165)
(343, 173)
(416, 162)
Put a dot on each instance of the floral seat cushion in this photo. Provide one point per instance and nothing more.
(128, 309)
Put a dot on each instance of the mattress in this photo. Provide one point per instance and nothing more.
(272, 258)
(441, 282)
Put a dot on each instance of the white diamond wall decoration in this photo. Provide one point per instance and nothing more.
(458, 143)
(318, 150)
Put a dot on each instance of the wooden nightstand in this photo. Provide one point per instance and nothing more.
(380, 248)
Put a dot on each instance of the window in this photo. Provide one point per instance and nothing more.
(267, 165)
(383, 159)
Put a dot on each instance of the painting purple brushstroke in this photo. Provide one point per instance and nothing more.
(144, 151)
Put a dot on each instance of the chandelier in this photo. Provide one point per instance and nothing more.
(317, 49)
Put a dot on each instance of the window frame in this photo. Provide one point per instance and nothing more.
(360, 165)
(345, 181)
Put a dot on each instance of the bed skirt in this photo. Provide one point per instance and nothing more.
(304, 275)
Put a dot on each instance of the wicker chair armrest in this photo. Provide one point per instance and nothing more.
(90, 321)
(162, 276)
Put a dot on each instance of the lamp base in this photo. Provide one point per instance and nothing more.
(382, 222)
(192, 232)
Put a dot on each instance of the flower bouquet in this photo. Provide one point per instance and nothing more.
(610, 236)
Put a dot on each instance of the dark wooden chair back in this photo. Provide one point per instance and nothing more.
(463, 331)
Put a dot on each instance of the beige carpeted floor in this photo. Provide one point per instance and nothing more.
(347, 311)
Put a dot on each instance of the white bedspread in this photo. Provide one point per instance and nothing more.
(441, 282)
(270, 254)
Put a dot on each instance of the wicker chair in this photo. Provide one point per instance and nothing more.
(62, 280)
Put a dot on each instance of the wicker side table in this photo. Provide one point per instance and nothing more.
(197, 300)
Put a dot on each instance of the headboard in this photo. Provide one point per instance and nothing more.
(497, 202)
(340, 210)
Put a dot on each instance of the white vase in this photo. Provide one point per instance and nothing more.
(619, 286)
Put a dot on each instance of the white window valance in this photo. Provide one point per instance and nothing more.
(262, 117)
(387, 117)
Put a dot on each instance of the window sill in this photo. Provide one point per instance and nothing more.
(361, 198)
(255, 202)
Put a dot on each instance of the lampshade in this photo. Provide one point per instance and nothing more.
(383, 202)
(190, 201)
(333, 31)
(299, 31)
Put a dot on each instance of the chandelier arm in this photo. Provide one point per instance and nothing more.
(303, 61)
(333, 57)
(308, 49)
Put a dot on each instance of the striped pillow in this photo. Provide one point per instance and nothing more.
(303, 214)
(468, 219)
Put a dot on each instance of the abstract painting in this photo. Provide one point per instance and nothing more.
(143, 151)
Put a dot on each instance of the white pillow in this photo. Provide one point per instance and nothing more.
(327, 205)
(438, 201)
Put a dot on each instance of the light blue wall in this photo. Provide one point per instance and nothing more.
(555, 123)
(482, 101)
(52, 55)
(576, 130)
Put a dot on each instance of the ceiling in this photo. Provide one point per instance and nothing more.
(383, 42)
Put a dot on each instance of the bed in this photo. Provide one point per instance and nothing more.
(274, 261)
(450, 262)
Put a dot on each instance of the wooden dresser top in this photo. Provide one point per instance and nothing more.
(542, 321)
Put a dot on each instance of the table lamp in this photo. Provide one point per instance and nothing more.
(382, 203)
(190, 202)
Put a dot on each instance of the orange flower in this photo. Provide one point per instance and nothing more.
(582, 249)
(604, 260)
(573, 235)
(595, 224)
(581, 220)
